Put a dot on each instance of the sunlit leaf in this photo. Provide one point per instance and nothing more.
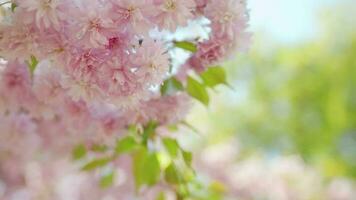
(214, 76)
(125, 145)
(171, 174)
(146, 168)
(32, 64)
(198, 91)
(164, 159)
(13, 7)
(96, 163)
(151, 173)
(161, 196)
(217, 187)
(171, 86)
(132, 129)
(188, 174)
(186, 46)
(188, 157)
(172, 128)
(171, 146)
(100, 148)
(149, 131)
(107, 180)
(79, 152)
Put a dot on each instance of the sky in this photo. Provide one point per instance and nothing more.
(287, 21)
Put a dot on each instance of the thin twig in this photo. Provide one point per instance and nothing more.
(4, 3)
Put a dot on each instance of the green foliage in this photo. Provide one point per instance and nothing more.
(171, 174)
(149, 131)
(32, 63)
(79, 152)
(198, 91)
(96, 163)
(186, 46)
(13, 7)
(125, 145)
(170, 164)
(214, 76)
(146, 168)
(99, 148)
(188, 157)
(107, 180)
(161, 196)
(171, 86)
(211, 78)
(172, 146)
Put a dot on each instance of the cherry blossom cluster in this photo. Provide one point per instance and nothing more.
(83, 71)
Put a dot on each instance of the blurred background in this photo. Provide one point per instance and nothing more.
(287, 129)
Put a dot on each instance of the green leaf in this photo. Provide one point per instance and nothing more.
(172, 128)
(186, 46)
(79, 152)
(188, 157)
(97, 163)
(146, 168)
(217, 187)
(214, 76)
(170, 86)
(198, 91)
(32, 64)
(188, 174)
(99, 148)
(125, 145)
(107, 180)
(137, 166)
(172, 146)
(149, 131)
(161, 196)
(171, 174)
(132, 129)
(164, 159)
(13, 7)
(151, 173)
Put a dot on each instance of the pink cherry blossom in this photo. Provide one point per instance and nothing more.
(135, 14)
(227, 16)
(118, 76)
(19, 142)
(174, 108)
(81, 89)
(55, 47)
(15, 85)
(152, 62)
(86, 64)
(47, 84)
(201, 4)
(18, 40)
(47, 13)
(82, 72)
(92, 25)
(173, 13)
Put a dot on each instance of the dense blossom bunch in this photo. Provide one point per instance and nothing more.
(85, 72)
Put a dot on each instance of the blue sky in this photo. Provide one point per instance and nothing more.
(288, 21)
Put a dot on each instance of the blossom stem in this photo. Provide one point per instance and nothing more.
(4, 3)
